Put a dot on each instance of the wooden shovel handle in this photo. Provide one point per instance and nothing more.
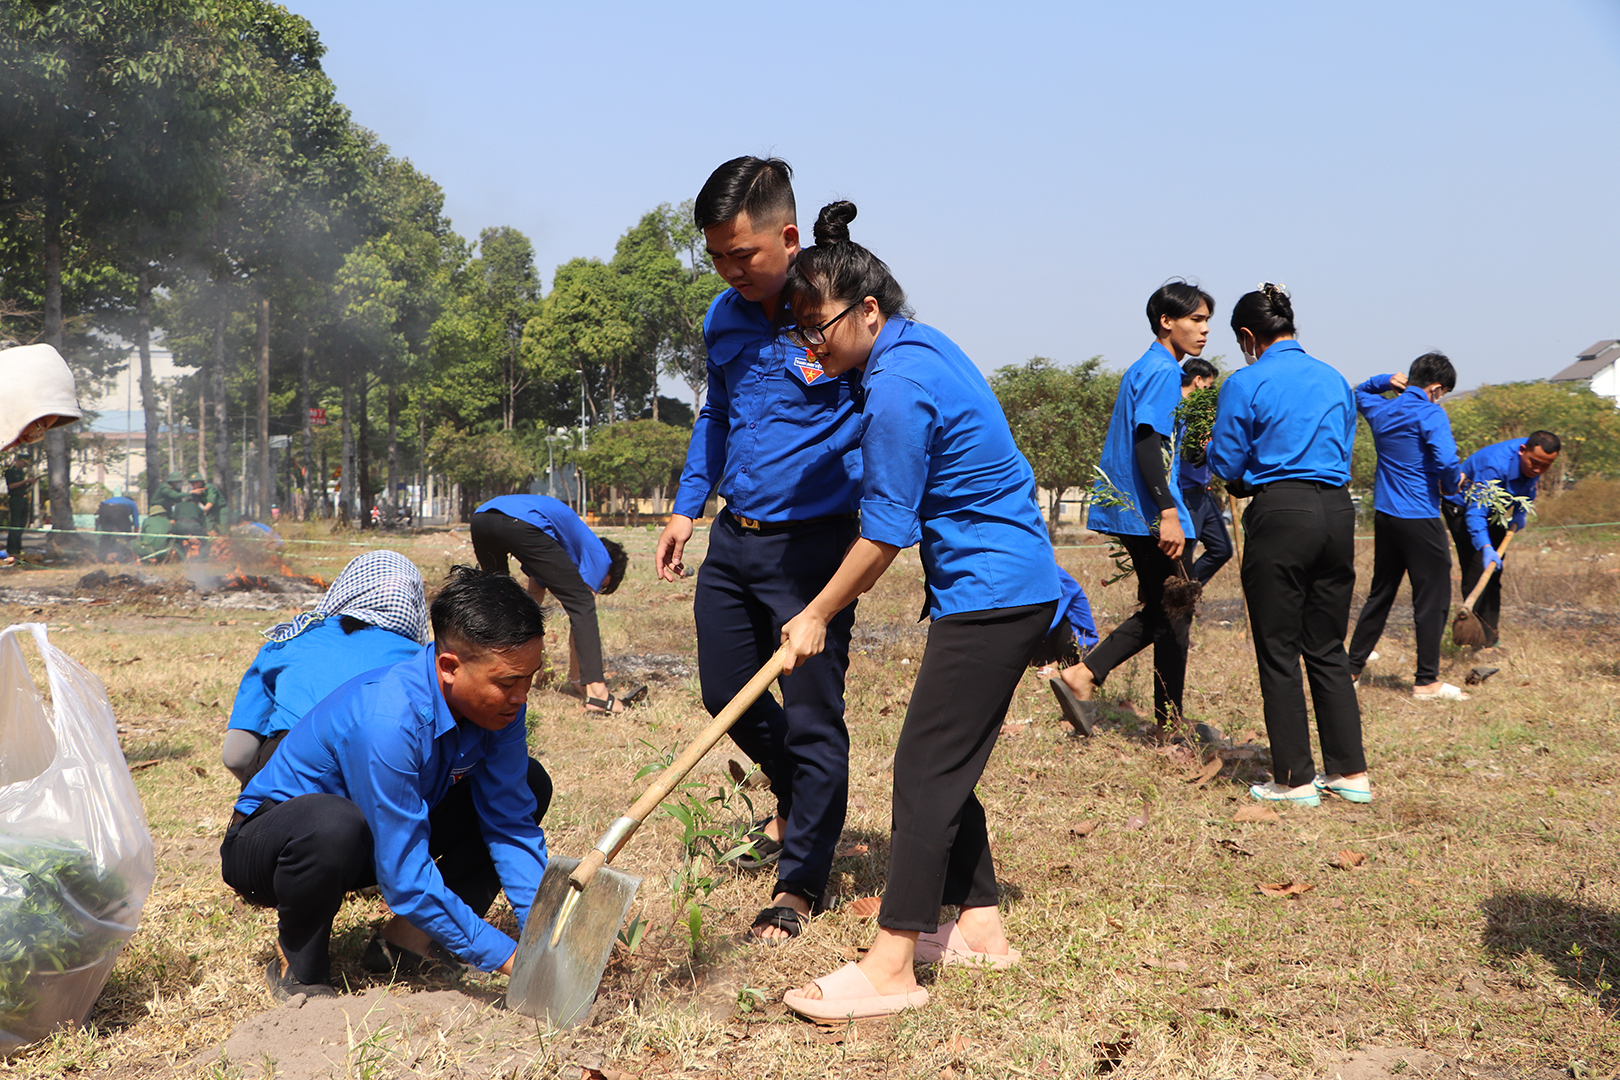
(671, 778)
(1485, 578)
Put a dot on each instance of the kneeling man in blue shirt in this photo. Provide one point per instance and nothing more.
(415, 778)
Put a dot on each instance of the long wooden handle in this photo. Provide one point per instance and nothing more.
(671, 778)
(1484, 578)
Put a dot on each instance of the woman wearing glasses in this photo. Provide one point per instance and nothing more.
(942, 471)
(1283, 433)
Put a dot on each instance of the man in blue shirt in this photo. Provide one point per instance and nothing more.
(1517, 465)
(415, 778)
(558, 552)
(1417, 461)
(779, 438)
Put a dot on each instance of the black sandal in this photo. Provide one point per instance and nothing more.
(1081, 715)
(766, 851)
(605, 705)
(783, 918)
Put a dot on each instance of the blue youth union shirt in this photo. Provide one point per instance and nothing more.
(1148, 394)
(387, 742)
(1417, 457)
(1499, 462)
(289, 678)
(776, 433)
(1287, 416)
(942, 471)
(554, 518)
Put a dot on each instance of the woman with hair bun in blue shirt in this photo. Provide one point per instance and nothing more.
(1284, 429)
(941, 471)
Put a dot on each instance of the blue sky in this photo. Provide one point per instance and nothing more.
(1421, 174)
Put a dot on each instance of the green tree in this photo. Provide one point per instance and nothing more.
(1059, 416)
(636, 457)
(486, 463)
(587, 327)
(1587, 424)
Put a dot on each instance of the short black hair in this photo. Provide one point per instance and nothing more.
(1544, 440)
(483, 612)
(762, 188)
(618, 561)
(1431, 368)
(1196, 367)
(1178, 299)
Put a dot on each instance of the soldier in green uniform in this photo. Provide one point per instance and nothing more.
(172, 491)
(212, 501)
(154, 541)
(19, 493)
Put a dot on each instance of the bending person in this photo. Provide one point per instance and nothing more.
(1516, 466)
(1417, 462)
(415, 778)
(1283, 434)
(942, 471)
(1152, 524)
(558, 552)
(373, 615)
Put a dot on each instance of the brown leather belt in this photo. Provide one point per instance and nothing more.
(765, 528)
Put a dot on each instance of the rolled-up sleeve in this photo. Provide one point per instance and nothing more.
(899, 427)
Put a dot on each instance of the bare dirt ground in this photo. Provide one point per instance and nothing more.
(1464, 924)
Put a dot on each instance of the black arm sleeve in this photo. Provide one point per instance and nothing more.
(1150, 462)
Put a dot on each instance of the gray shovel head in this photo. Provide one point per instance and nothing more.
(557, 985)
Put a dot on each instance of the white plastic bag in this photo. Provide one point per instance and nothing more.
(75, 853)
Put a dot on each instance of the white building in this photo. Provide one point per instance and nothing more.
(1599, 367)
(120, 425)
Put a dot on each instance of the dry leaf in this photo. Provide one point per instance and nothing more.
(947, 1073)
(1253, 812)
(1210, 770)
(1139, 821)
(1232, 846)
(1084, 829)
(1285, 888)
(147, 764)
(852, 849)
(1177, 966)
(1115, 923)
(199, 770)
(866, 907)
(1348, 860)
(858, 802)
(959, 1043)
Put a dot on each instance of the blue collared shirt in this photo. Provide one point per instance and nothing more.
(388, 742)
(1074, 606)
(1500, 462)
(777, 433)
(1148, 394)
(942, 471)
(1417, 457)
(557, 520)
(1287, 416)
(289, 678)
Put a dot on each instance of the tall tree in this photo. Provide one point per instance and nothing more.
(1058, 417)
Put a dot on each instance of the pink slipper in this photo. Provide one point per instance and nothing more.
(847, 994)
(947, 946)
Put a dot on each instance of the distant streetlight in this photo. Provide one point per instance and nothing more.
(583, 445)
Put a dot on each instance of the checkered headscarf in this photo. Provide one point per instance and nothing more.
(382, 588)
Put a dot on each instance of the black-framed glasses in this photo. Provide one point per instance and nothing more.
(806, 336)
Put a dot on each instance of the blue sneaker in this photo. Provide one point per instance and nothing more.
(1271, 791)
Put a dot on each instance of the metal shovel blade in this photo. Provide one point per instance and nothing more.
(556, 985)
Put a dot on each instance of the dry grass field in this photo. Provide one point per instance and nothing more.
(1466, 923)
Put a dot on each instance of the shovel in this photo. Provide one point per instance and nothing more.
(581, 903)
(1468, 629)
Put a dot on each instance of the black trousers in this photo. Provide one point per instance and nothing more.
(1210, 526)
(303, 855)
(495, 536)
(749, 586)
(1150, 626)
(1472, 564)
(19, 521)
(1299, 571)
(939, 848)
(1415, 548)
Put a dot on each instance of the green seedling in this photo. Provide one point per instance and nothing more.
(1501, 506)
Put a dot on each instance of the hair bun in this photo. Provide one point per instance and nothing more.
(832, 224)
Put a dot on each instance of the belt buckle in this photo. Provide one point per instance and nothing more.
(747, 523)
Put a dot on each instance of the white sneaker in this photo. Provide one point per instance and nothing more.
(1372, 656)
(1271, 791)
(1358, 790)
(1447, 692)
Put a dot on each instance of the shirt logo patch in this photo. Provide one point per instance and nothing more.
(809, 368)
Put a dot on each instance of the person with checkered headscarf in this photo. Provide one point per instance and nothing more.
(375, 614)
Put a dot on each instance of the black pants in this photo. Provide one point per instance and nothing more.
(19, 521)
(1298, 574)
(1415, 548)
(495, 536)
(939, 849)
(1210, 526)
(303, 855)
(1149, 626)
(1472, 564)
(749, 586)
